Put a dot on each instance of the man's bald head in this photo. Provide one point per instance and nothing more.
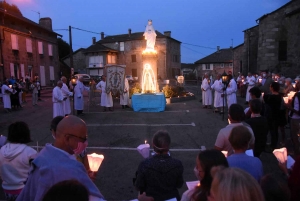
(69, 123)
(59, 83)
(64, 79)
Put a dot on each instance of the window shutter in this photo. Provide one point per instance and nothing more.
(51, 69)
(211, 66)
(203, 67)
(14, 42)
(22, 71)
(40, 46)
(28, 45)
(12, 69)
(101, 61)
(122, 46)
(50, 50)
(91, 61)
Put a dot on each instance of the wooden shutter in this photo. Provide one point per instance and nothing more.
(211, 67)
(203, 67)
(50, 49)
(22, 71)
(28, 45)
(100, 61)
(12, 69)
(122, 46)
(40, 46)
(14, 42)
(51, 69)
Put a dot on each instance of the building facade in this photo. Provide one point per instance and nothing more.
(279, 40)
(79, 61)
(28, 48)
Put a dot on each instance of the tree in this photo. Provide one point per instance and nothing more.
(63, 48)
(10, 8)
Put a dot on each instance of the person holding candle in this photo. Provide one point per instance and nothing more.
(231, 91)
(206, 92)
(6, 91)
(250, 81)
(56, 162)
(218, 87)
(160, 175)
(265, 82)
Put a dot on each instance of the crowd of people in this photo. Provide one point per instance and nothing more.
(13, 92)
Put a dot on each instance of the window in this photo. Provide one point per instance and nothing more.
(51, 69)
(111, 59)
(14, 42)
(133, 58)
(40, 46)
(282, 51)
(50, 50)
(207, 67)
(95, 61)
(28, 45)
(175, 58)
(122, 46)
(134, 72)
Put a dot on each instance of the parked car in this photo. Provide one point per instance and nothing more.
(96, 78)
(86, 78)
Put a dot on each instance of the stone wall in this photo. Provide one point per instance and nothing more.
(238, 53)
(281, 25)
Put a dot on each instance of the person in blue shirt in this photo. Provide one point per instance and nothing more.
(239, 139)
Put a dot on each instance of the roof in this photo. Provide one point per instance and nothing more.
(80, 49)
(97, 47)
(189, 66)
(265, 15)
(24, 19)
(251, 28)
(132, 36)
(221, 56)
(238, 46)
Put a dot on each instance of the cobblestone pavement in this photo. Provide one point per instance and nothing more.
(116, 135)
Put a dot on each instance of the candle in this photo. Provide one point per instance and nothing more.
(10, 86)
(294, 85)
(286, 100)
(145, 141)
(262, 94)
(259, 80)
(95, 161)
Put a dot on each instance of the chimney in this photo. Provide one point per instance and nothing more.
(218, 48)
(93, 40)
(46, 22)
(102, 35)
(167, 33)
(129, 32)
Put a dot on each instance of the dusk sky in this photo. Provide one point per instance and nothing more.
(205, 24)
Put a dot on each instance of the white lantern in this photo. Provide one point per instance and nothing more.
(95, 161)
(144, 150)
(259, 80)
(225, 153)
(286, 100)
(281, 154)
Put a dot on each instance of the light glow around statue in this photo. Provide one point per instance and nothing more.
(148, 80)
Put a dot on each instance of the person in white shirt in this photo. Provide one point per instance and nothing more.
(106, 98)
(231, 91)
(206, 92)
(58, 99)
(219, 100)
(66, 94)
(78, 96)
(124, 97)
(6, 91)
(250, 80)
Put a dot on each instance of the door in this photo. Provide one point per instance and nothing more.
(42, 76)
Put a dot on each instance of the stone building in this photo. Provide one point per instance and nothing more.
(28, 48)
(279, 40)
(79, 61)
(129, 48)
(250, 50)
(238, 53)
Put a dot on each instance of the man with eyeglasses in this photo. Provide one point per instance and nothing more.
(56, 162)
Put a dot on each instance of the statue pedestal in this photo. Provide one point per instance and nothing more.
(151, 59)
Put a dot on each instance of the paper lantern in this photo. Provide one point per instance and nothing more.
(95, 161)
(281, 154)
(144, 150)
(286, 100)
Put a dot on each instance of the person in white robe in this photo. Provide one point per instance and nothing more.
(58, 99)
(206, 92)
(66, 94)
(78, 96)
(218, 88)
(6, 91)
(231, 91)
(124, 98)
(106, 98)
(34, 88)
(250, 80)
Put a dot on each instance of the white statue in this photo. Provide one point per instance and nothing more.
(150, 36)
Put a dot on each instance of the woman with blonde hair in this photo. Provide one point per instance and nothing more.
(233, 184)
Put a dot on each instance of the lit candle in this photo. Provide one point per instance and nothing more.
(95, 161)
(294, 85)
(259, 80)
(145, 141)
(262, 94)
(10, 86)
(286, 100)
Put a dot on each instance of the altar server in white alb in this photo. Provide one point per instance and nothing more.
(250, 80)
(218, 87)
(66, 94)
(58, 99)
(106, 98)
(231, 91)
(78, 96)
(206, 92)
(6, 91)
(124, 97)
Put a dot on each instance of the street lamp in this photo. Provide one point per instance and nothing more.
(224, 81)
(73, 81)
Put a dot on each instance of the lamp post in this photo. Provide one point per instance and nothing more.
(73, 81)
(224, 81)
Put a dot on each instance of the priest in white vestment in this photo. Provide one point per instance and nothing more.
(219, 100)
(66, 94)
(231, 91)
(58, 99)
(6, 91)
(78, 95)
(206, 92)
(124, 97)
(106, 98)
(250, 80)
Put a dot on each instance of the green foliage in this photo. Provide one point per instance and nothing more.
(136, 88)
(10, 8)
(173, 91)
(63, 48)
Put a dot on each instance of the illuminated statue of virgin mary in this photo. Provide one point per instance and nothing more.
(150, 36)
